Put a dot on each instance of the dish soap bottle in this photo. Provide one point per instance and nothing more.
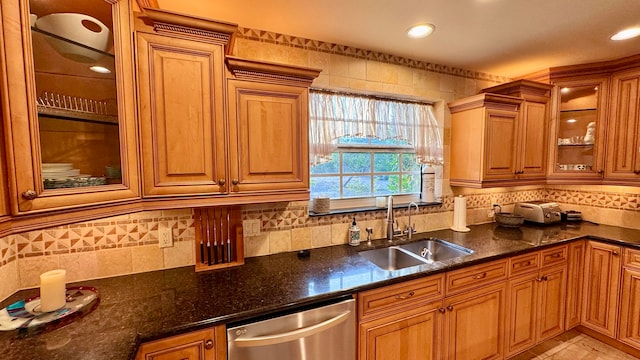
(354, 234)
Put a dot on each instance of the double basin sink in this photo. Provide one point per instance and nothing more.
(414, 254)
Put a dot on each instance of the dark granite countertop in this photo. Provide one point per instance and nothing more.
(157, 304)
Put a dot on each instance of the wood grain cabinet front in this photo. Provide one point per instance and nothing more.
(623, 150)
(601, 287)
(70, 132)
(269, 129)
(181, 106)
(207, 344)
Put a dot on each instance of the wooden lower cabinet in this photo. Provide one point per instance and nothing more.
(551, 302)
(410, 335)
(629, 326)
(474, 324)
(601, 287)
(207, 344)
(575, 272)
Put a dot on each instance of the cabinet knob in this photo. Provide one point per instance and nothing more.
(450, 307)
(539, 279)
(221, 182)
(208, 344)
(29, 194)
(600, 171)
(235, 181)
(615, 253)
(442, 310)
(637, 172)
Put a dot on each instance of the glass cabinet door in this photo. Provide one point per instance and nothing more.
(579, 129)
(73, 134)
(74, 67)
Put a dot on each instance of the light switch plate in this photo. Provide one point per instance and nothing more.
(251, 227)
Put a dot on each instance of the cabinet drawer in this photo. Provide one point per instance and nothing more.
(524, 263)
(393, 297)
(553, 256)
(632, 258)
(476, 276)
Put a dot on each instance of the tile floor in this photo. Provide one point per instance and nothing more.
(573, 345)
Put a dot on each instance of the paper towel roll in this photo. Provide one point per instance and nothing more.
(460, 214)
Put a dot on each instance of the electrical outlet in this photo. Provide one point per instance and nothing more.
(251, 227)
(165, 238)
(491, 214)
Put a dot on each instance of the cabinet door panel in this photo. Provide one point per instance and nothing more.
(575, 270)
(412, 335)
(624, 125)
(268, 123)
(534, 142)
(181, 112)
(552, 297)
(521, 320)
(196, 345)
(630, 309)
(601, 286)
(469, 311)
(501, 144)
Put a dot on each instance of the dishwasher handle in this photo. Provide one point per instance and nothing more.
(292, 335)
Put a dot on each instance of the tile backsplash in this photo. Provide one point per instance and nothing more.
(129, 243)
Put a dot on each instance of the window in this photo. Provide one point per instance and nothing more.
(363, 147)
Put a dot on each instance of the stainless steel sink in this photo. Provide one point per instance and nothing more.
(414, 254)
(391, 258)
(436, 250)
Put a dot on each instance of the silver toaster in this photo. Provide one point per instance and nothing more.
(540, 212)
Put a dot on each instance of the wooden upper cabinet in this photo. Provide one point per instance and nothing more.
(181, 106)
(484, 140)
(533, 125)
(623, 147)
(71, 132)
(269, 128)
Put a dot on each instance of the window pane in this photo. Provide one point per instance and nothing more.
(356, 162)
(411, 183)
(385, 185)
(409, 163)
(325, 186)
(385, 162)
(375, 141)
(356, 186)
(331, 167)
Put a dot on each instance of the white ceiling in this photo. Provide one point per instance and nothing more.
(500, 37)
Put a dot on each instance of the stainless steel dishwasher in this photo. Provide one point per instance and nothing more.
(319, 333)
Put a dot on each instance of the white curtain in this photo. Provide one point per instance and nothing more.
(333, 116)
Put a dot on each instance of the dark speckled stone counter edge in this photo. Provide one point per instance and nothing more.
(147, 306)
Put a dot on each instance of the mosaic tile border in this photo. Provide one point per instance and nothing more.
(118, 232)
(331, 48)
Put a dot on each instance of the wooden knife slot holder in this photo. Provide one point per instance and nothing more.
(218, 235)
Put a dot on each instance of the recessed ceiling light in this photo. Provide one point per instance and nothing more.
(626, 34)
(100, 69)
(571, 120)
(420, 31)
(564, 90)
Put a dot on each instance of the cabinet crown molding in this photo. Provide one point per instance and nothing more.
(491, 101)
(164, 21)
(247, 69)
(527, 89)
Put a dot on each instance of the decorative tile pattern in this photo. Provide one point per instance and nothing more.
(321, 46)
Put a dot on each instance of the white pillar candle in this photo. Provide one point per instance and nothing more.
(381, 201)
(52, 290)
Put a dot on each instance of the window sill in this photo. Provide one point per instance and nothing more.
(369, 208)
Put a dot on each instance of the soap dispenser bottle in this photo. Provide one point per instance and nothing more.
(354, 234)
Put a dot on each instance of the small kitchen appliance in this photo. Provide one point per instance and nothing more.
(539, 212)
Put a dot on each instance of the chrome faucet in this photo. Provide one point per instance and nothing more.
(390, 231)
(410, 228)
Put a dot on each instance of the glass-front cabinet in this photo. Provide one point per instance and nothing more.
(68, 102)
(578, 131)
